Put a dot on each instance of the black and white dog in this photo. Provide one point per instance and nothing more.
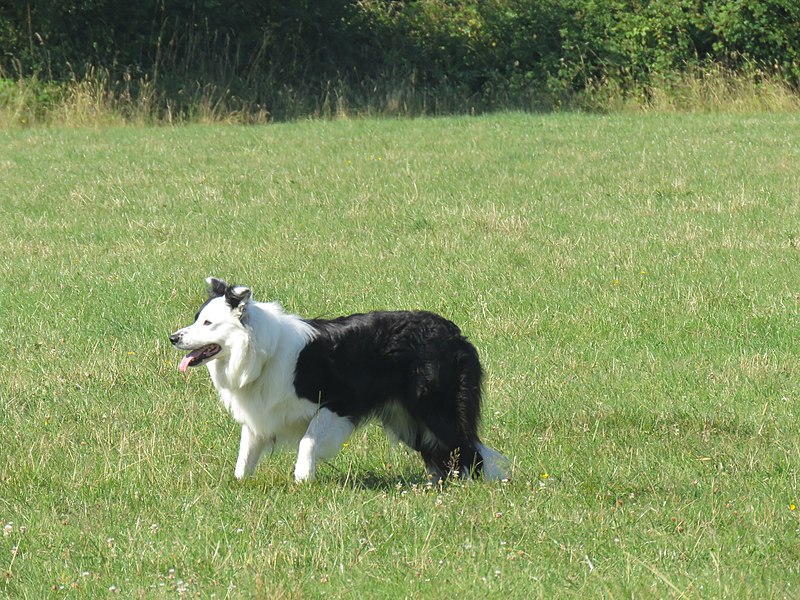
(310, 383)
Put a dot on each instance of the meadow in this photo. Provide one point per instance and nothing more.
(631, 281)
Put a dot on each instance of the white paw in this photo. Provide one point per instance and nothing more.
(304, 472)
(240, 472)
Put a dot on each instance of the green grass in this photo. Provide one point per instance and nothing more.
(632, 283)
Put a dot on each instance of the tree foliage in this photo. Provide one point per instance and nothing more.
(483, 49)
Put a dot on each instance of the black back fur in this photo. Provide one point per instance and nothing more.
(413, 371)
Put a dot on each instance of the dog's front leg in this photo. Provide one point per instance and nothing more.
(251, 447)
(323, 439)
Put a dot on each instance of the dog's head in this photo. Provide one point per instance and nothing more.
(218, 322)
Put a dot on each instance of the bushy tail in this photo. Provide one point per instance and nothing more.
(476, 458)
(451, 416)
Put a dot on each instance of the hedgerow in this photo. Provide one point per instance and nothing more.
(292, 58)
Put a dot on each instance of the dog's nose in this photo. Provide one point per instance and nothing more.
(175, 338)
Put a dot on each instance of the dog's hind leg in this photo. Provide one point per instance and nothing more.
(251, 447)
(322, 441)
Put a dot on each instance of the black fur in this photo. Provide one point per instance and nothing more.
(414, 371)
(216, 288)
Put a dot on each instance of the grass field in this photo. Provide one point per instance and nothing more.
(632, 283)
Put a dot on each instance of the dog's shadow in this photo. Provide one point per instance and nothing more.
(383, 482)
(387, 481)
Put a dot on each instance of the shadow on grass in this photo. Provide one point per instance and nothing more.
(374, 481)
(387, 481)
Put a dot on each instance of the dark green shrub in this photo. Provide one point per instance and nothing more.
(296, 57)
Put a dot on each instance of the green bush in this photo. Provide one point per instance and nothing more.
(766, 32)
(295, 57)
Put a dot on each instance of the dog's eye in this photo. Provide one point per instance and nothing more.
(206, 322)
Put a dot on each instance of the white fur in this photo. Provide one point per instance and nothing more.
(400, 427)
(323, 439)
(495, 465)
(253, 374)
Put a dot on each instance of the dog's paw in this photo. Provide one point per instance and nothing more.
(303, 473)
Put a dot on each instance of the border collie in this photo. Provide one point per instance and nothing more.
(309, 383)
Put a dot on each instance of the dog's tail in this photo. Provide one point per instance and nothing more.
(475, 457)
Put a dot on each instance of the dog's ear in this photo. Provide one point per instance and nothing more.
(216, 287)
(237, 297)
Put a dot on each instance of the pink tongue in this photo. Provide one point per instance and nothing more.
(201, 353)
(185, 363)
